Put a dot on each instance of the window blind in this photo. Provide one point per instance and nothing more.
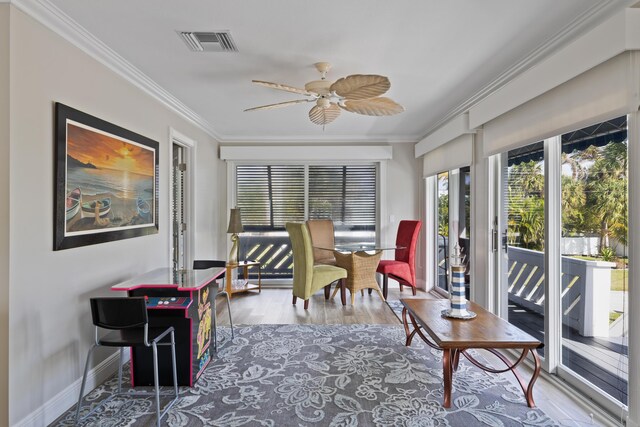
(346, 194)
(270, 196)
(597, 95)
(452, 155)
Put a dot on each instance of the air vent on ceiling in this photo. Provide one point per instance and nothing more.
(218, 41)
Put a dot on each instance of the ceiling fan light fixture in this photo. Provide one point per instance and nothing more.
(323, 103)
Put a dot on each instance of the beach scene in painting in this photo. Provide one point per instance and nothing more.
(109, 182)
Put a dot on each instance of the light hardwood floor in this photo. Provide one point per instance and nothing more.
(273, 306)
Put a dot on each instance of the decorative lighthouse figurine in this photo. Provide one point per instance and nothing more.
(458, 308)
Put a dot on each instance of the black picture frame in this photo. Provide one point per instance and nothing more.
(109, 190)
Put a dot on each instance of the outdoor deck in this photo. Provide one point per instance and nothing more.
(601, 361)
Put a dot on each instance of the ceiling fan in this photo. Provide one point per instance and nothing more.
(357, 93)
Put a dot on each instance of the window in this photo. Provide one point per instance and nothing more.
(272, 195)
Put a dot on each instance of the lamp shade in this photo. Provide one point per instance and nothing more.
(235, 222)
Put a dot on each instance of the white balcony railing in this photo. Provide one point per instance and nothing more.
(585, 291)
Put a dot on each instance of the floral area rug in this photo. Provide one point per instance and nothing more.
(326, 375)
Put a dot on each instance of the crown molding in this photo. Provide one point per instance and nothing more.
(593, 15)
(389, 139)
(60, 23)
(297, 152)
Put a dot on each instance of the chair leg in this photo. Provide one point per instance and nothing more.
(306, 304)
(343, 292)
(370, 290)
(120, 370)
(156, 382)
(295, 298)
(385, 286)
(413, 289)
(353, 298)
(327, 291)
(173, 363)
(401, 287)
(380, 293)
(84, 382)
(362, 292)
(335, 291)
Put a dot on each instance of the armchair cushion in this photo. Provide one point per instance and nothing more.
(326, 274)
(398, 269)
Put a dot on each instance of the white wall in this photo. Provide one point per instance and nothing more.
(49, 322)
(4, 215)
(404, 184)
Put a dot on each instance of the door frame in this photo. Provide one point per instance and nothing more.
(175, 137)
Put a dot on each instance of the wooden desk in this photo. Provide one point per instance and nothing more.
(455, 336)
(182, 299)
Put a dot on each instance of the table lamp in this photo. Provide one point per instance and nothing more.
(235, 227)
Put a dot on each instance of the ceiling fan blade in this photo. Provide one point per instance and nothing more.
(374, 107)
(278, 105)
(361, 86)
(281, 86)
(323, 116)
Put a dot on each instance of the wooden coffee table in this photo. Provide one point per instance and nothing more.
(455, 336)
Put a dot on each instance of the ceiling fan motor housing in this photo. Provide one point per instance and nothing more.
(321, 87)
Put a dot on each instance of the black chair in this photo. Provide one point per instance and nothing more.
(203, 265)
(128, 322)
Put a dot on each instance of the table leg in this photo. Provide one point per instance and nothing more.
(405, 322)
(526, 390)
(456, 359)
(385, 285)
(447, 374)
(534, 377)
(343, 292)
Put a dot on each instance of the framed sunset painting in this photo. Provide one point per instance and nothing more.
(106, 181)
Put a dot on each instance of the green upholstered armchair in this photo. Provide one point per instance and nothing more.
(307, 277)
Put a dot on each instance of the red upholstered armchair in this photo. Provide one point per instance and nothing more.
(403, 267)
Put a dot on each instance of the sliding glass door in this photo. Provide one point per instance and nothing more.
(442, 242)
(523, 189)
(453, 210)
(581, 311)
(595, 256)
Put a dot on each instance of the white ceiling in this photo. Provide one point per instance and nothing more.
(436, 53)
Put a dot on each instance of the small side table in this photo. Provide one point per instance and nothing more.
(245, 266)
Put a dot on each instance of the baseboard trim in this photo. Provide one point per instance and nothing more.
(68, 397)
